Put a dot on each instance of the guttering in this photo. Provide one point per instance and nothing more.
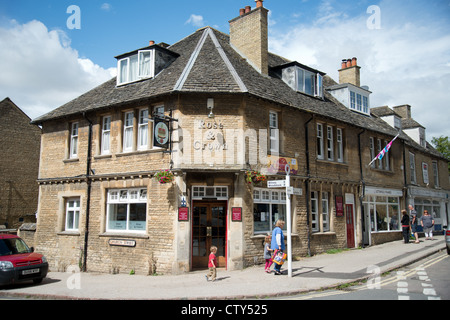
(308, 176)
(363, 185)
(88, 196)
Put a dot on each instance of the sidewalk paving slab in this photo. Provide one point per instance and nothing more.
(308, 274)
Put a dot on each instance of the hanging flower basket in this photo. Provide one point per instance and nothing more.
(164, 176)
(254, 177)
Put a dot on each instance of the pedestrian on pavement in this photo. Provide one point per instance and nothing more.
(278, 258)
(277, 242)
(212, 264)
(427, 223)
(405, 226)
(268, 253)
(414, 221)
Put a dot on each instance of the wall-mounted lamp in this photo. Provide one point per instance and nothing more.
(210, 106)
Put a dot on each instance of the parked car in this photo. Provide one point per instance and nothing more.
(447, 239)
(20, 263)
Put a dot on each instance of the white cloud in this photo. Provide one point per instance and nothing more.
(196, 20)
(404, 62)
(106, 6)
(39, 69)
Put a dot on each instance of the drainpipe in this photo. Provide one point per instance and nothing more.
(404, 175)
(88, 200)
(307, 182)
(363, 184)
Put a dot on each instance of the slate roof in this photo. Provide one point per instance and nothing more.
(207, 63)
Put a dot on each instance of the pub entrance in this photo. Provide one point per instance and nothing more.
(209, 228)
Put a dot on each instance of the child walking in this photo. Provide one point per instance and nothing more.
(212, 264)
(268, 253)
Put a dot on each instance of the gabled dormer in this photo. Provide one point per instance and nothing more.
(410, 126)
(301, 78)
(349, 91)
(144, 63)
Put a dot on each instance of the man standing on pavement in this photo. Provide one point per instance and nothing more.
(414, 223)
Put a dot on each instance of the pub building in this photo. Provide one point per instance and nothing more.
(148, 170)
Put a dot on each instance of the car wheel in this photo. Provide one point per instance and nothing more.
(448, 250)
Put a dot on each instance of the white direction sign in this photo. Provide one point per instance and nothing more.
(294, 191)
(276, 184)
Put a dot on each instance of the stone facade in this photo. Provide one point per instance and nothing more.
(19, 164)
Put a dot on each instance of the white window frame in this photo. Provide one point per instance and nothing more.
(138, 64)
(325, 212)
(320, 153)
(106, 135)
(270, 197)
(426, 179)
(143, 131)
(435, 174)
(314, 212)
(274, 133)
(340, 145)
(73, 153)
(216, 192)
(372, 151)
(128, 131)
(412, 167)
(72, 217)
(126, 198)
(330, 143)
(353, 100)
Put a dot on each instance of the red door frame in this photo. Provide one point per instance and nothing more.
(350, 225)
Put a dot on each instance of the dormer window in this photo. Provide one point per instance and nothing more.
(143, 64)
(136, 67)
(302, 78)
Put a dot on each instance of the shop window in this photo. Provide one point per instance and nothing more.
(384, 213)
(127, 210)
(268, 207)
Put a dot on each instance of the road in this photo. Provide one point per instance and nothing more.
(427, 279)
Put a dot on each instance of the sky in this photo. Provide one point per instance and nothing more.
(52, 51)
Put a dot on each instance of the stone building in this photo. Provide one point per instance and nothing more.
(204, 113)
(19, 166)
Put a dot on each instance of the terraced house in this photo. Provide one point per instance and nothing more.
(148, 170)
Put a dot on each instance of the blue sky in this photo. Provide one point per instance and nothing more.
(405, 60)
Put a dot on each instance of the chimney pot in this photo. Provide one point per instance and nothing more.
(259, 3)
(349, 63)
(151, 42)
(354, 62)
(241, 12)
(248, 9)
(344, 64)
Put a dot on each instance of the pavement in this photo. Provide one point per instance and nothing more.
(324, 271)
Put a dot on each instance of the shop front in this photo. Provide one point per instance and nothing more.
(435, 201)
(382, 210)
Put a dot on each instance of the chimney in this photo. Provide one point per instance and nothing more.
(350, 72)
(249, 36)
(151, 42)
(403, 111)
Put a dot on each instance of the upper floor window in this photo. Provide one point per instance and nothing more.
(303, 79)
(106, 135)
(330, 146)
(412, 167)
(143, 63)
(435, 174)
(274, 132)
(73, 141)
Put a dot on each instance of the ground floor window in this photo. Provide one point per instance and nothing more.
(127, 210)
(72, 214)
(268, 206)
(384, 213)
(433, 207)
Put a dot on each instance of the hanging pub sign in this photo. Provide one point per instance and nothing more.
(161, 133)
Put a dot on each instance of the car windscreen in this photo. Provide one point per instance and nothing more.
(13, 246)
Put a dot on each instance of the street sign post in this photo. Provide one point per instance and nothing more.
(288, 218)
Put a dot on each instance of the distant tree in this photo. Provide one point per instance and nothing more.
(442, 144)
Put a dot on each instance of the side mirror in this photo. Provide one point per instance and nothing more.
(32, 249)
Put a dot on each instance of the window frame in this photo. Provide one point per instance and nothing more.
(126, 197)
(319, 141)
(128, 132)
(274, 133)
(330, 143)
(412, 168)
(143, 140)
(271, 198)
(139, 75)
(73, 144)
(340, 144)
(74, 212)
(435, 173)
(106, 135)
